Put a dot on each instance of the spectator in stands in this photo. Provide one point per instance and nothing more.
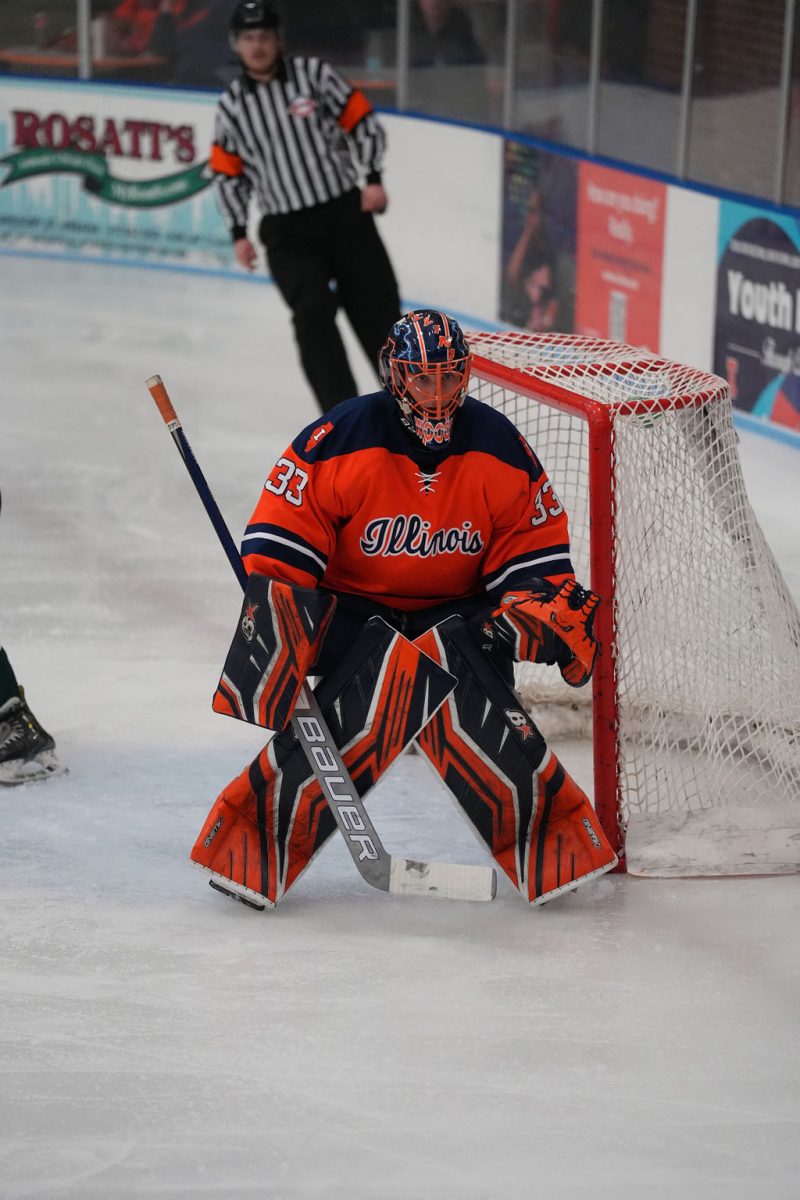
(190, 35)
(442, 35)
(142, 27)
(202, 57)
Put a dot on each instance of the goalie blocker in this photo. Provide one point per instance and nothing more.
(278, 638)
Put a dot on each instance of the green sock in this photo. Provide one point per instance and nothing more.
(8, 680)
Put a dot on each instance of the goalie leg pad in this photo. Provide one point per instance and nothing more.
(278, 638)
(532, 817)
(267, 825)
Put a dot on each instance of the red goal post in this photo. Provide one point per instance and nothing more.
(695, 702)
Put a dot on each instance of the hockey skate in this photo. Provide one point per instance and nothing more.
(27, 751)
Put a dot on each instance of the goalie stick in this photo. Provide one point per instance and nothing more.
(387, 872)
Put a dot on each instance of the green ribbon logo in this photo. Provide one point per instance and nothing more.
(97, 179)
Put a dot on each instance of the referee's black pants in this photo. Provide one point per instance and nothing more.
(309, 250)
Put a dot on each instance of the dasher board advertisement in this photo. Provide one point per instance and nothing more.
(621, 219)
(537, 289)
(757, 332)
(115, 173)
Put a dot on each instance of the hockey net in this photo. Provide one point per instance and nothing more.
(694, 708)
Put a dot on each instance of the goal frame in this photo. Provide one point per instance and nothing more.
(694, 704)
(605, 746)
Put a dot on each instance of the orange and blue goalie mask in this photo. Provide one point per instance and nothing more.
(425, 366)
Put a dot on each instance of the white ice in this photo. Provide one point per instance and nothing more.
(637, 1039)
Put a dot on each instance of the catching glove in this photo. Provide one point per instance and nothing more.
(530, 618)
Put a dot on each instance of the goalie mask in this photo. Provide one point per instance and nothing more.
(425, 366)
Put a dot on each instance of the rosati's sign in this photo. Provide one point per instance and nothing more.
(111, 173)
(52, 141)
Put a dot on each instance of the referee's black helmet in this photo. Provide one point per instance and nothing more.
(253, 14)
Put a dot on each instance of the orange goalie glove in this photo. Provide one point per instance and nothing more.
(530, 618)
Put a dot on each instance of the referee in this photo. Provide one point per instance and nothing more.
(292, 133)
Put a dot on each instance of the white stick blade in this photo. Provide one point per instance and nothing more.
(444, 881)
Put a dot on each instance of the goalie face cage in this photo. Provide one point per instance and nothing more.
(695, 702)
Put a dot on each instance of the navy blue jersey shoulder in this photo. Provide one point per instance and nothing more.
(369, 422)
(363, 423)
(478, 426)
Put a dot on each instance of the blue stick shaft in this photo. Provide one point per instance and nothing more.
(210, 505)
(161, 397)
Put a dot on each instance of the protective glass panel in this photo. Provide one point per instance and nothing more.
(733, 139)
(39, 39)
(456, 55)
(792, 187)
(182, 43)
(640, 81)
(552, 94)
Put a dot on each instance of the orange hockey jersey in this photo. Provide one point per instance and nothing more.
(357, 505)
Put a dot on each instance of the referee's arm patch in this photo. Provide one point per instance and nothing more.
(222, 162)
(356, 108)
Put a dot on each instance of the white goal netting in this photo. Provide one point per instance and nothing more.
(704, 661)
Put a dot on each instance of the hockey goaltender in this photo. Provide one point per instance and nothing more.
(408, 544)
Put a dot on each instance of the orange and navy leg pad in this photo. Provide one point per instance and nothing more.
(280, 631)
(268, 824)
(534, 819)
(567, 843)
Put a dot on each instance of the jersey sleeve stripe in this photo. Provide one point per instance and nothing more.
(269, 527)
(285, 547)
(555, 560)
(271, 548)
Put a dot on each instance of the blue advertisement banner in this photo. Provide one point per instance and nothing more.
(757, 329)
(112, 172)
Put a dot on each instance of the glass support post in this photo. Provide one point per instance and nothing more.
(403, 53)
(790, 16)
(83, 21)
(689, 36)
(510, 64)
(595, 51)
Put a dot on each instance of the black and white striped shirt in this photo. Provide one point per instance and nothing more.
(301, 140)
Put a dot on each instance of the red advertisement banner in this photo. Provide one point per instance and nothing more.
(620, 255)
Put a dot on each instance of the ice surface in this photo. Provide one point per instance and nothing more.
(639, 1038)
